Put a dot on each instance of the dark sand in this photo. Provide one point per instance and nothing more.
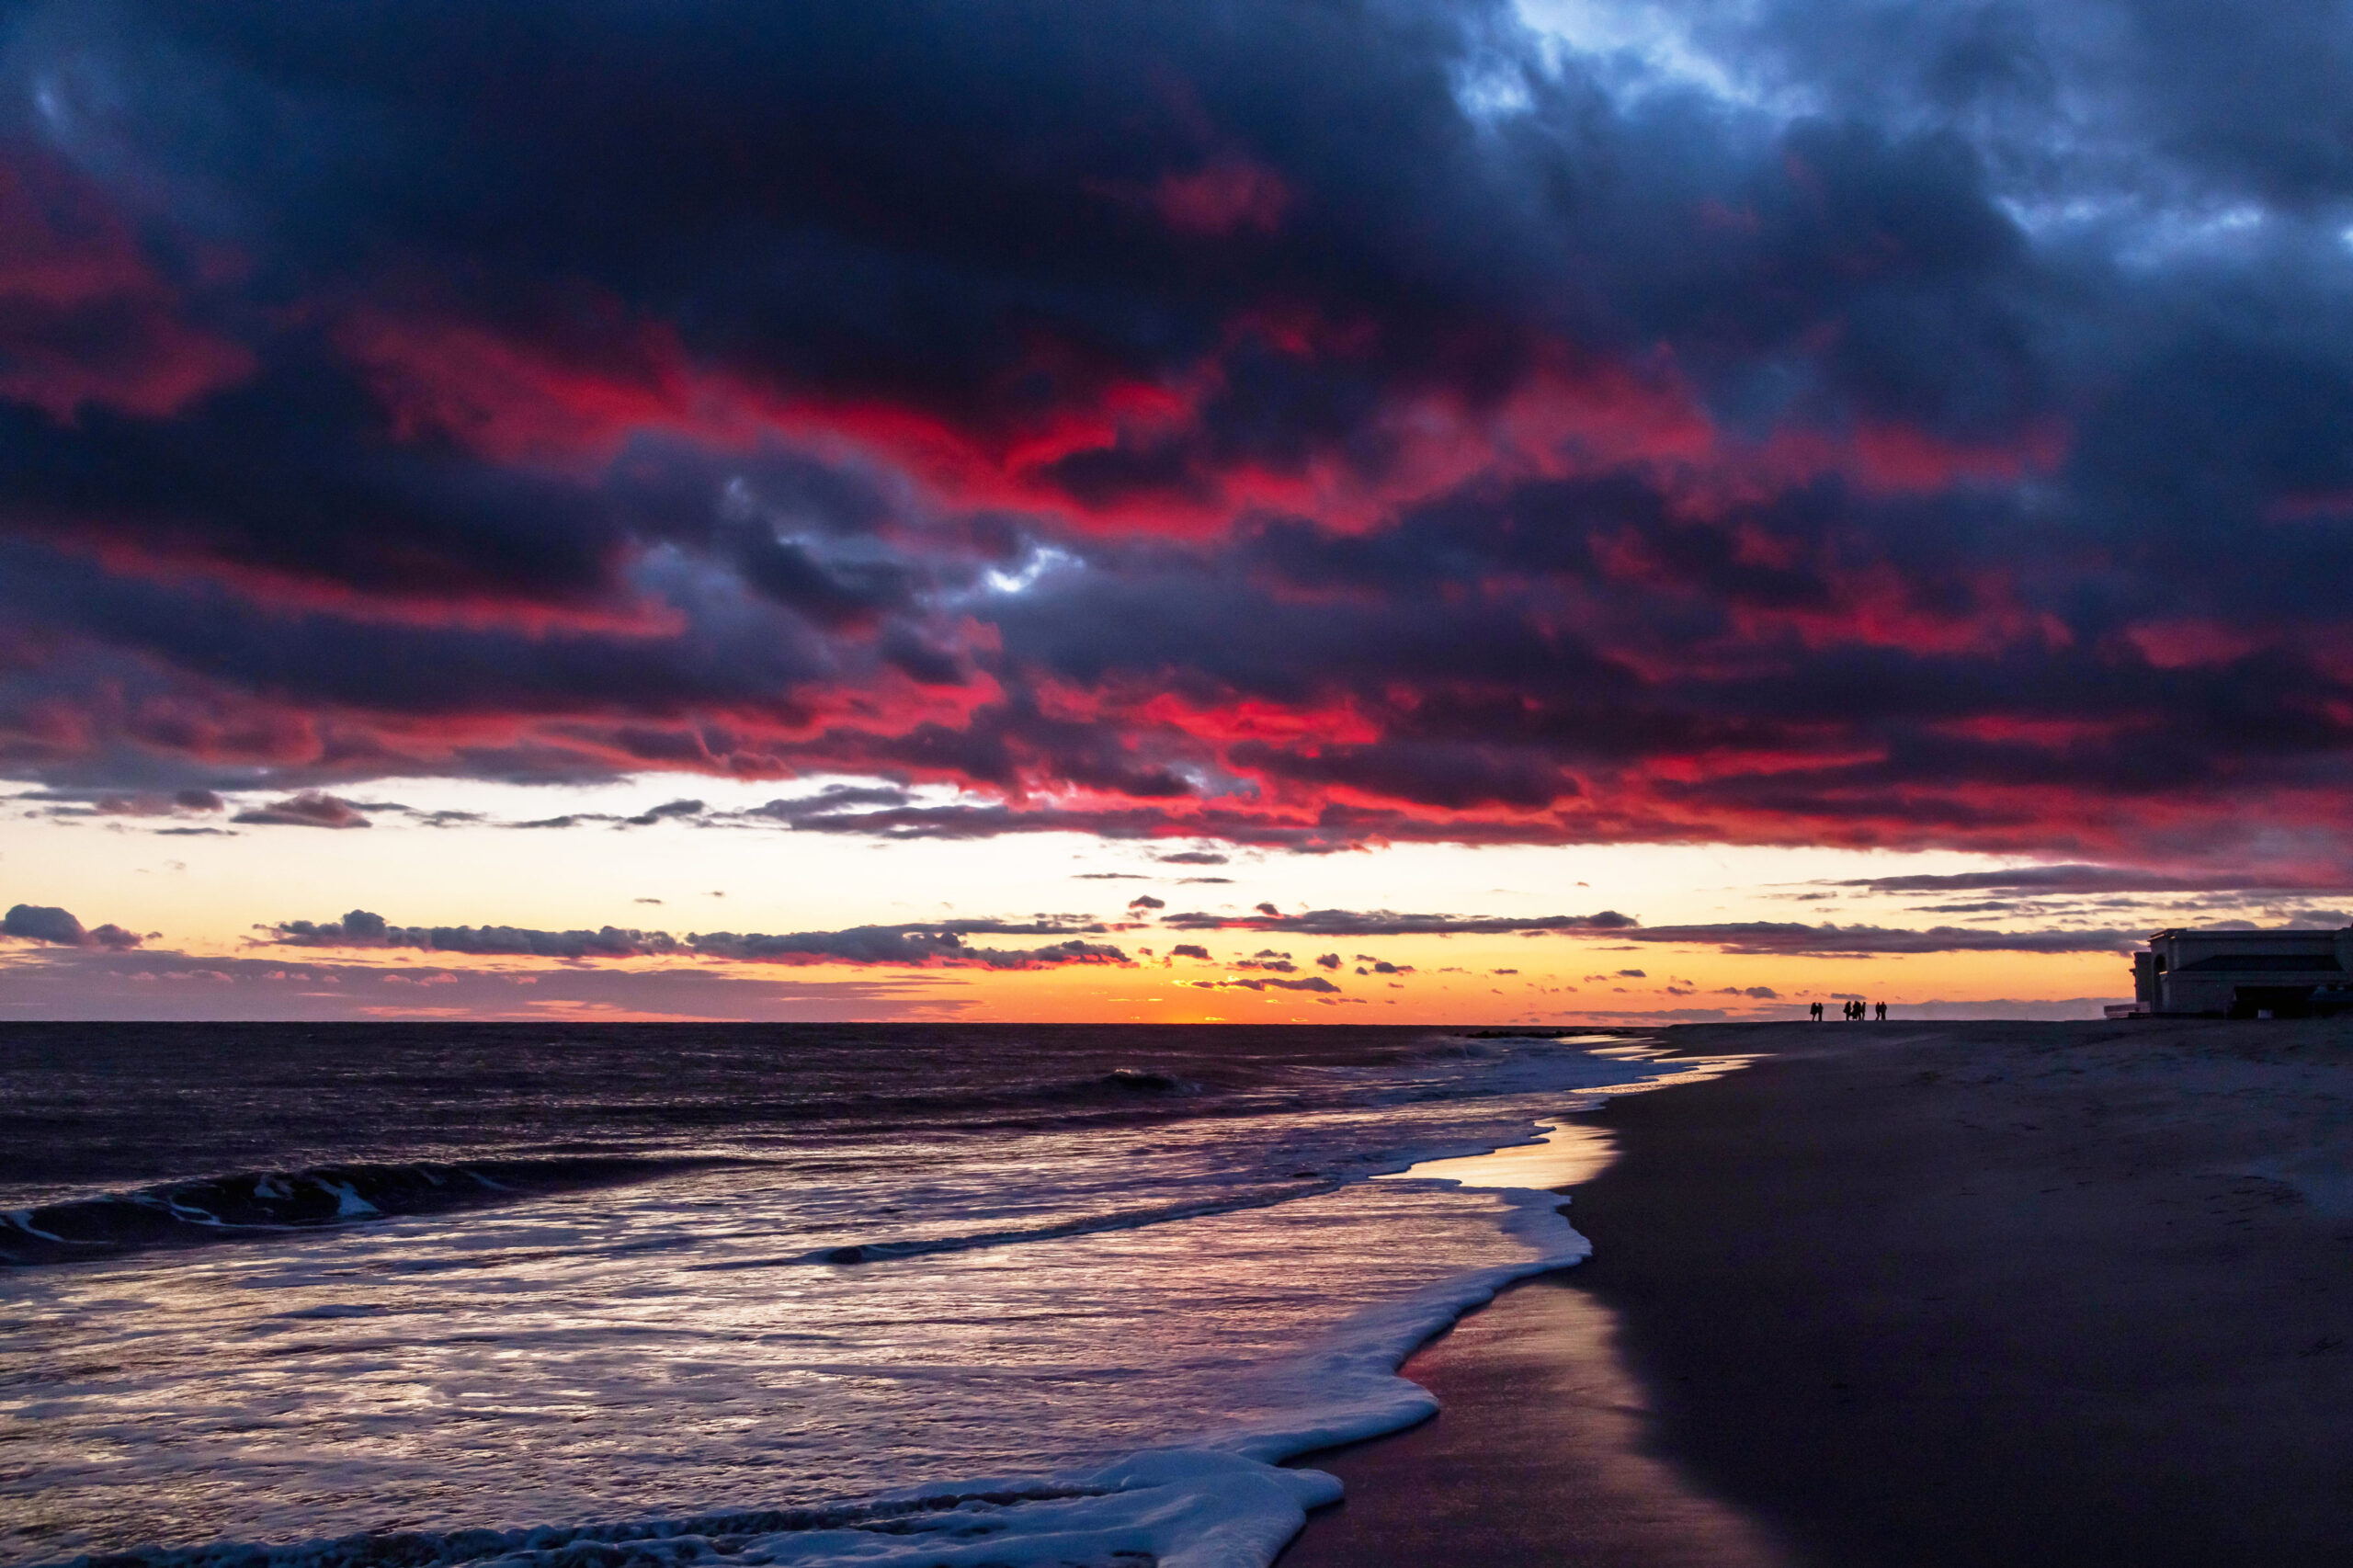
(1907, 1296)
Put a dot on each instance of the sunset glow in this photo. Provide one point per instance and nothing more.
(836, 497)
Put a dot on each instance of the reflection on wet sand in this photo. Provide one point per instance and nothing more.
(1536, 1456)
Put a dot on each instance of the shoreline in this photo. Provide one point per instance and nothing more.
(1946, 1294)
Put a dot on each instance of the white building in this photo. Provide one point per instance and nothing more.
(2243, 974)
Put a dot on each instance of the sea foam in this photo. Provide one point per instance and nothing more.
(608, 1353)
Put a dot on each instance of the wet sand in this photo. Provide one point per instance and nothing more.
(1904, 1296)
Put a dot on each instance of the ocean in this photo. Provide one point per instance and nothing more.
(594, 1296)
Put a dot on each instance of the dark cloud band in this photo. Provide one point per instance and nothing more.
(939, 944)
(1081, 405)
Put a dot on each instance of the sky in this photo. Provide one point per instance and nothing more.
(1366, 511)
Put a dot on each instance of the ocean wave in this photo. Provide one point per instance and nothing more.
(255, 1203)
(1230, 1502)
(594, 1546)
(1208, 1492)
(1169, 1508)
(1307, 1184)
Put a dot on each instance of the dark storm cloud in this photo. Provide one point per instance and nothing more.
(1300, 427)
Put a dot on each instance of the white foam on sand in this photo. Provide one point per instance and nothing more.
(1227, 1503)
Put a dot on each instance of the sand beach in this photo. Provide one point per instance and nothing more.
(1985, 1294)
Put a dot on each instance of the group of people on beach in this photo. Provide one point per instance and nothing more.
(1855, 1010)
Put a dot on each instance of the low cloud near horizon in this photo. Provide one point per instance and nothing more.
(928, 943)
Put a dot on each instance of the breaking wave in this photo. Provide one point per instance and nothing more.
(253, 1204)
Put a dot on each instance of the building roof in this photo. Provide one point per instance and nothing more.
(2240, 963)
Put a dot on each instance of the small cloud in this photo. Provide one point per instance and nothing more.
(1632, 974)
(45, 922)
(1145, 901)
(665, 812)
(1329, 960)
(1312, 982)
(1269, 911)
(180, 803)
(1189, 950)
(309, 808)
(1193, 858)
(647, 901)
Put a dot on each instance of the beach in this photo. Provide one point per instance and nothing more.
(1917, 1294)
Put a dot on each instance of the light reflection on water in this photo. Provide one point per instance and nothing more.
(1562, 1154)
(642, 1350)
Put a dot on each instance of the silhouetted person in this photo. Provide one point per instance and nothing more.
(1882, 1012)
(1816, 1012)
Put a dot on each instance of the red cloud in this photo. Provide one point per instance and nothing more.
(1228, 195)
(84, 316)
